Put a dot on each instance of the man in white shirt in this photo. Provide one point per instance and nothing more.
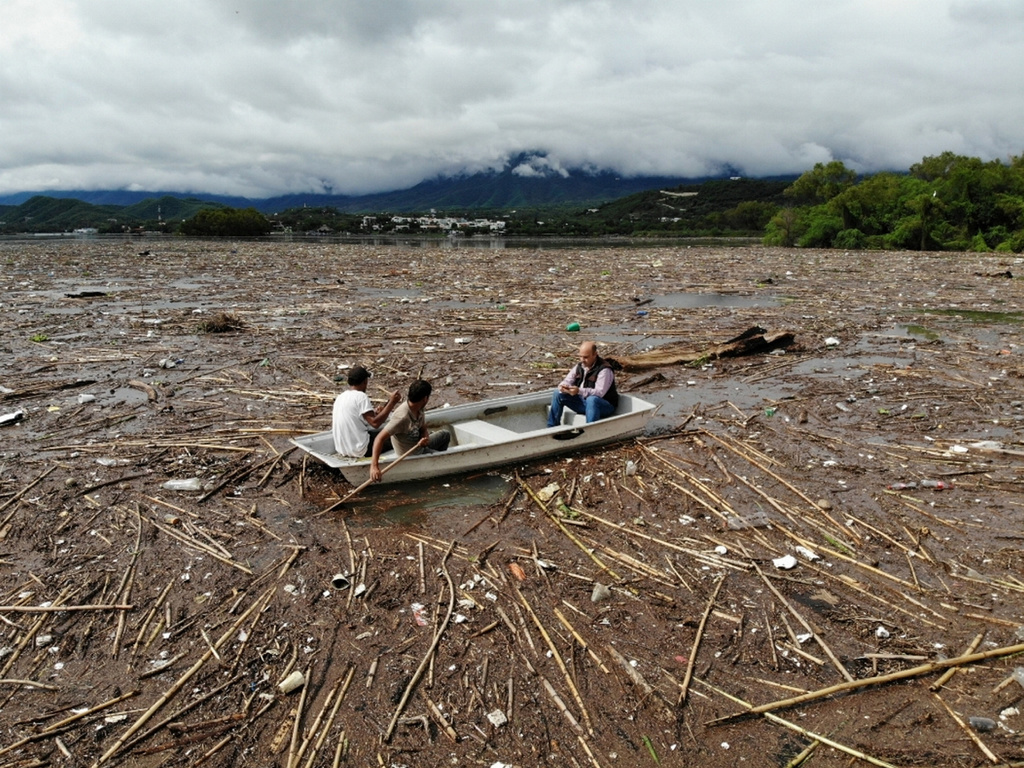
(355, 417)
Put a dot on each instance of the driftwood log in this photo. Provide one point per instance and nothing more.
(754, 340)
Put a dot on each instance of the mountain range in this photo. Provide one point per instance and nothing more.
(523, 182)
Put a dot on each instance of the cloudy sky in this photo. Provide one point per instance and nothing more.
(259, 98)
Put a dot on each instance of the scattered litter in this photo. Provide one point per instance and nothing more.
(548, 491)
(293, 682)
(982, 724)
(807, 554)
(183, 484)
(882, 633)
(785, 563)
(11, 418)
(497, 718)
(600, 593)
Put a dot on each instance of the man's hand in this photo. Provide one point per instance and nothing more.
(568, 390)
(375, 473)
(395, 399)
(424, 442)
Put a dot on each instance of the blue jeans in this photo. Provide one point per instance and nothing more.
(595, 408)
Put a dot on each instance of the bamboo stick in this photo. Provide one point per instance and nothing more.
(903, 674)
(945, 677)
(558, 660)
(968, 730)
(817, 637)
(45, 733)
(685, 687)
(430, 652)
(177, 686)
(809, 734)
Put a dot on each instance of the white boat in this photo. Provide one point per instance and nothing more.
(488, 434)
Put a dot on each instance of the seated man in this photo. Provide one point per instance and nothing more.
(355, 418)
(407, 428)
(588, 388)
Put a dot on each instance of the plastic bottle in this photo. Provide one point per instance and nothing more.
(902, 486)
(938, 485)
(982, 724)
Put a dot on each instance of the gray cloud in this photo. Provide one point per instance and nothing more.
(264, 98)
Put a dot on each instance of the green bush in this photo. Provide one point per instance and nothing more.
(851, 239)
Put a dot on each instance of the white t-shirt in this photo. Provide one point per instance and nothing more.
(350, 429)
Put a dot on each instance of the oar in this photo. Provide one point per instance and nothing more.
(338, 503)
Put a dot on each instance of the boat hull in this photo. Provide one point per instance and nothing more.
(489, 434)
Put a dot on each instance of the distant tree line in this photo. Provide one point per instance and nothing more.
(948, 202)
(226, 222)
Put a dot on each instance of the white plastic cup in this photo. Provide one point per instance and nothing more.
(340, 581)
(294, 681)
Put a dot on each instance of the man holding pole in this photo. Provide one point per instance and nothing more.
(407, 429)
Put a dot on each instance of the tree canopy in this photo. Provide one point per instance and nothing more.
(946, 202)
(226, 222)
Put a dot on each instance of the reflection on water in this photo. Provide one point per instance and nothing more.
(699, 300)
(410, 503)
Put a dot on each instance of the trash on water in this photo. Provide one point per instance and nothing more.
(340, 581)
(937, 485)
(293, 682)
(183, 484)
(630, 468)
(601, 592)
(807, 554)
(831, 341)
(545, 493)
(786, 562)
(982, 724)
(902, 486)
(419, 615)
(497, 718)
(572, 327)
(11, 418)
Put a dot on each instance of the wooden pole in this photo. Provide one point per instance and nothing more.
(368, 483)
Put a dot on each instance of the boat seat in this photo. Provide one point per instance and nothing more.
(477, 431)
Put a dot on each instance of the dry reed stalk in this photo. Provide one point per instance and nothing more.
(631, 562)
(685, 687)
(45, 733)
(182, 711)
(903, 674)
(430, 652)
(561, 705)
(290, 760)
(191, 542)
(579, 639)
(30, 684)
(817, 637)
(784, 482)
(945, 677)
(330, 720)
(803, 731)
(708, 559)
(568, 535)
(27, 636)
(177, 686)
(17, 497)
(558, 660)
(968, 730)
(62, 608)
(152, 612)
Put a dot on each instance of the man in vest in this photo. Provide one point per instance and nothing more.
(589, 388)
